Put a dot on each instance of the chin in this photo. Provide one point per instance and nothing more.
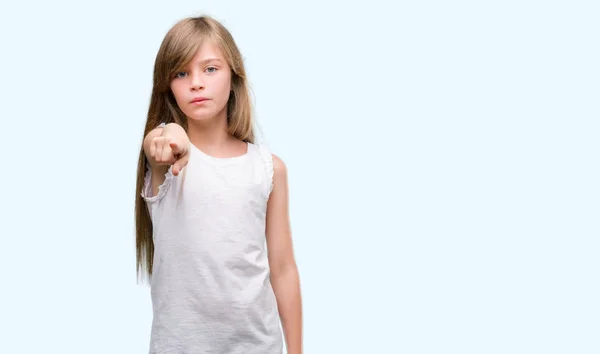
(199, 117)
(204, 117)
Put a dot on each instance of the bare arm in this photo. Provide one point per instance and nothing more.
(284, 272)
(164, 147)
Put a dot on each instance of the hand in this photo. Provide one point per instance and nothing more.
(169, 151)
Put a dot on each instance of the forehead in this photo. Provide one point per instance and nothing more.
(208, 50)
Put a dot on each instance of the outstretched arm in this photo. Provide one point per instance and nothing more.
(284, 272)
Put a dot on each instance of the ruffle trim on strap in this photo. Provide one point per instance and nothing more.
(162, 189)
(267, 159)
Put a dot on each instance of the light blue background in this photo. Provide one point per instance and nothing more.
(443, 162)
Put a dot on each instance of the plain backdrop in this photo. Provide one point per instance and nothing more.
(443, 163)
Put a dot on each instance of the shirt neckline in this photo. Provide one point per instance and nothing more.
(221, 160)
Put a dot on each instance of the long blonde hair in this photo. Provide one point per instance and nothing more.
(178, 48)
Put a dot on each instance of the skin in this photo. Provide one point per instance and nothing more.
(208, 75)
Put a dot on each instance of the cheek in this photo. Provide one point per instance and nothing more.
(224, 90)
(176, 92)
(180, 98)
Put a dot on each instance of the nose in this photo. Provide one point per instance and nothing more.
(196, 83)
(196, 86)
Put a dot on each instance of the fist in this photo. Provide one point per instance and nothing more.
(166, 151)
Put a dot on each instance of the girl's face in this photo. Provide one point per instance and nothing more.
(202, 89)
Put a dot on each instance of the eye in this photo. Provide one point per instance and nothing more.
(210, 69)
(179, 74)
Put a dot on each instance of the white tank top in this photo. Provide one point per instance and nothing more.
(210, 287)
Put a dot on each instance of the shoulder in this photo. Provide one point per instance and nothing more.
(276, 168)
(280, 174)
(279, 167)
(275, 163)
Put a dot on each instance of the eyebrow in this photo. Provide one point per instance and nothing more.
(209, 60)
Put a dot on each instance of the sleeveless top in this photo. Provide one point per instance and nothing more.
(210, 286)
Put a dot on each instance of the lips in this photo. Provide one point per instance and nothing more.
(199, 99)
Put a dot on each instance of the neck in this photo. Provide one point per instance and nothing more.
(209, 133)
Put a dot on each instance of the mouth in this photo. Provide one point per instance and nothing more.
(199, 100)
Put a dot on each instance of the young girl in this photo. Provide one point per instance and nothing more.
(210, 202)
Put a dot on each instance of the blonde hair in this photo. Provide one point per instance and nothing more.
(178, 48)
